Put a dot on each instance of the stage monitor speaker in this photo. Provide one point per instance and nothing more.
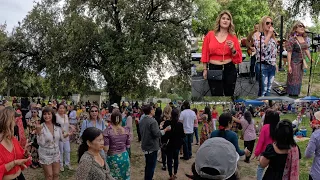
(199, 87)
(244, 67)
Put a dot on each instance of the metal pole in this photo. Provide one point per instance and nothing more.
(281, 44)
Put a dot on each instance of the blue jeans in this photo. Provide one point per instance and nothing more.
(187, 146)
(260, 171)
(173, 154)
(195, 132)
(151, 162)
(268, 73)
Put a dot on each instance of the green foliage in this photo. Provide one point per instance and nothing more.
(175, 85)
(204, 16)
(121, 40)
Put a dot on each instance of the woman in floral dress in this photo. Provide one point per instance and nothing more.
(33, 138)
(205, 130)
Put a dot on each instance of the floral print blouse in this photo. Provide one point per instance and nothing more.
(269, 51)
(205, 133)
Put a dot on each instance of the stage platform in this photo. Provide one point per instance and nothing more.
(200, 87)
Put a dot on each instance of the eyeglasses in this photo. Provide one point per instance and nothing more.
(301, 26)
(267, 23)
(34, 111)
(94, 111)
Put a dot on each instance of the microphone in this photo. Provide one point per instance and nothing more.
(275, 33)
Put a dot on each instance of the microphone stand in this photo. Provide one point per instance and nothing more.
(261, 34)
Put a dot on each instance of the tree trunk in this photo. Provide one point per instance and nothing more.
(114, 97)
(8, 93)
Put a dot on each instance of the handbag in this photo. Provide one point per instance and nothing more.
(164, 146)
(215, 75)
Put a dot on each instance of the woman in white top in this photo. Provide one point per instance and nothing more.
(64, 146)
(49, 133)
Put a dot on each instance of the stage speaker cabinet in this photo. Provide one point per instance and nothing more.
(199, 87)
(244, 67)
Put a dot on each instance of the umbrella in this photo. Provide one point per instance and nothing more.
(239, 100)
(276, 98)
(253, 103)
(310, 98)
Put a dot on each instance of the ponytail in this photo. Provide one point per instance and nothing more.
(82, 148)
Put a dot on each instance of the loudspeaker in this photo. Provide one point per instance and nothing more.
(199, 87)
(244, 67)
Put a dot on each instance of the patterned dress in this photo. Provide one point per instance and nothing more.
(205, 133)
(294, 80)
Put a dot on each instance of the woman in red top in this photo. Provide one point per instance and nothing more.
(221, 51)
(13, 158)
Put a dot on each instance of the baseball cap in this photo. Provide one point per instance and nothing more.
(219, 154)
(317, 115)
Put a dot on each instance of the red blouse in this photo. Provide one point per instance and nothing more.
(212, 49)
(6, 157)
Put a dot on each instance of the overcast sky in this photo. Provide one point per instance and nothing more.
(12, 11)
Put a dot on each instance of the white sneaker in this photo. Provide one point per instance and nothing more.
(69, 167)
(61, 168)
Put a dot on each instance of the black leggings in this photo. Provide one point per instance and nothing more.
(20, 177)
(227, 85)
(249, 145)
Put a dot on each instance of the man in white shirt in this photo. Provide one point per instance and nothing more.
(187, 117)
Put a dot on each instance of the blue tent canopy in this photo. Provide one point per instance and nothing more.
(310, 98)
(253, 103)
(239, 100)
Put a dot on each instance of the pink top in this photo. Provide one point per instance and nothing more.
(264, 140)
(196, 122)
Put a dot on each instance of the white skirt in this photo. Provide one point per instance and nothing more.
(48, 156)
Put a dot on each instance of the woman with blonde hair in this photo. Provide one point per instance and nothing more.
(220, 52)
(13, 158)
(266, 66)
(165, 117)
(297, 48)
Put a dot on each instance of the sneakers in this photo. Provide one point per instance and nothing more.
(61, 168)
(69, 167)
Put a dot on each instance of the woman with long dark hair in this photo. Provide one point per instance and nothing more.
(297, 48)
(208, 113)
(249, 132)
(282, 156)
(225, 123)
(116, 142)
(220, 52)
(92, 165)
(49, 134)
(267, 136)
(174, 140)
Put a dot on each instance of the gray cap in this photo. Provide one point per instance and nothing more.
(219, 154)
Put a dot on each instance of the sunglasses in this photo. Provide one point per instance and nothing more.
(34, 111)
(267, 23)
(301, 26)
(94, 111)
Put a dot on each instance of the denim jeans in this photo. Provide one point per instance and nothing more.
(64, 152)
(151, 162)
(187, 146)
(173, 154)
(268, 73)
(260, 171)
(196, 133)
